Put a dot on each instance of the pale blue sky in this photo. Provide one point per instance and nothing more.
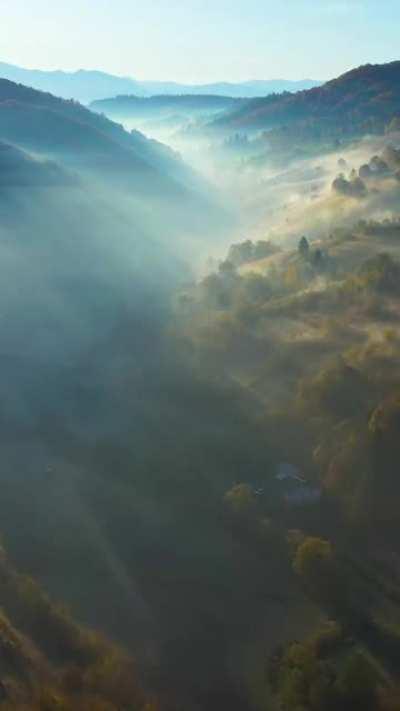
(201, 40)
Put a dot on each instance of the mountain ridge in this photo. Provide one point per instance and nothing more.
(90, 85)
(370, 92)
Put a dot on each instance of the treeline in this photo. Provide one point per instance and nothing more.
(357, 183)
(48, 661)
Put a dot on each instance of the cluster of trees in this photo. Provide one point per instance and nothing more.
(315, 257)
(228, 290)
(331, 108)
(378, 275)
(249, 251)
(388, 228)
(343, 665)
(381, 272)
(327, 673)
(245, 295)
(380, 166)
(354, 187)
(50, 662)
(376, 168)
(329, 391)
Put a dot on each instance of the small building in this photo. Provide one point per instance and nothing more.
(288, 472)
(295, 490)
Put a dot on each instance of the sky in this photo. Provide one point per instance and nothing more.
(201, 40)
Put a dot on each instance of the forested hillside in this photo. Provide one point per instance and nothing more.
(138, 105)
(311, 331)
(78, 137)
(361, 100)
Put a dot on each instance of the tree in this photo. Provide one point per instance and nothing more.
(364, 172)
(354, 188)
(332, 583)
(303, 682)
(304, 248)
(241, 253)
(240, 500)
(378, 166)
(312, 556)
(391, 156)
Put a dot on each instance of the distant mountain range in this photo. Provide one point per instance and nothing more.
(241, 90)
(189, 105)
(166, 113)
(363, 99)
(87, 86)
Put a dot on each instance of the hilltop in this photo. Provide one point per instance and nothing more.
(360, 100)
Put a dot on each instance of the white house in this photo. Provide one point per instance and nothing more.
(289, 472)
(296, 491)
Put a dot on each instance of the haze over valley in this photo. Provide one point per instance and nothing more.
(200, 340)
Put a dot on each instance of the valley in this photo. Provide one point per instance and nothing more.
(200, 400)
